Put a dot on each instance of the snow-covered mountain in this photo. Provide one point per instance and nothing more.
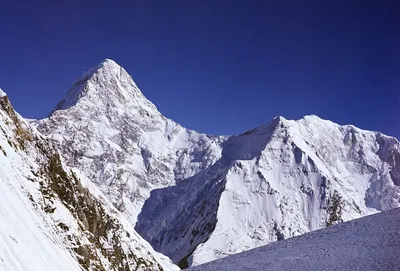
(107, 128)
(196, 197)
(54, 218)
(370, 243)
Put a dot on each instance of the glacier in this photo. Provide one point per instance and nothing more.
(196, 197)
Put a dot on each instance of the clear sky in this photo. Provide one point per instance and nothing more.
(216, 66)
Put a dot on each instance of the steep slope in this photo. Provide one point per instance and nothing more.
(55, 219)
(369, 243)
(26, 240)
(107, 128)
(310, 174)
(197, 198)
(277, 181)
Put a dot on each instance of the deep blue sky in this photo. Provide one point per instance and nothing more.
(215, 66)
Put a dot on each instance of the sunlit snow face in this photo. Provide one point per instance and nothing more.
(2, 93)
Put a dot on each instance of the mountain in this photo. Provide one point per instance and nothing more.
(107, 128)
(196, 197)
(368, 243)
(54, 218)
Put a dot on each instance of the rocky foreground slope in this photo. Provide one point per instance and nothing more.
(367, 244)
(53, 218)
(196, 197)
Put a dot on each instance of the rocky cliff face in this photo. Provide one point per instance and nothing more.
(197, 197)
(54, 218)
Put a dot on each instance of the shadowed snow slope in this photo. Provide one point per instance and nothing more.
(52, 218)
(370, 243)
(196, 197)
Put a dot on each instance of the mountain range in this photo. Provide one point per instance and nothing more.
(107, 181)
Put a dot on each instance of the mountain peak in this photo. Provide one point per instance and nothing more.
(311, 117)
(108, 82)
(108, 61)
(110, 65)
(107, 66)
(280, 119)
(314, 119)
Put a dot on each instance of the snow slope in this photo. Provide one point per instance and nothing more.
(56, 219)
(369, 243)
(26, 240)
(196, 197)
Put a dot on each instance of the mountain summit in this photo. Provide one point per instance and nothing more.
(196, 197)
(108, 128)
(107, 84)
